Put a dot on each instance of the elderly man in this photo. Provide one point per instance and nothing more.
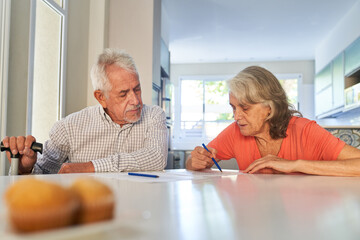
(119, 134)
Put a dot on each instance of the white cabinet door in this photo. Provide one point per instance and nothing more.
(323, 101)
(338, 81)
(352, 57)
(323, 91)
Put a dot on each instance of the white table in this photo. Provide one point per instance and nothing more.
(197, 205)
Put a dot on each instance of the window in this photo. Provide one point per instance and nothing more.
(291, 83)
(47, 68)
(204, 109)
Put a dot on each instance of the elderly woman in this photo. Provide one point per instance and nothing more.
(269, 136)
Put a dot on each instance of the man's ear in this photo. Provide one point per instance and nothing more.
(100, 97)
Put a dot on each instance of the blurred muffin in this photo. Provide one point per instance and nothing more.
(96, 200)
(34, 205)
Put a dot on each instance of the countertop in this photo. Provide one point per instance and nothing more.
(183, 204)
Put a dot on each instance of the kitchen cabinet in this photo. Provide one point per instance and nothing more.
(164, 60)
(323, 101)
(352, 57)
(329, 88)
(158, 86)
(352, 76)
(338, 81)
(341, 75)
(323, 90)
(323, 79)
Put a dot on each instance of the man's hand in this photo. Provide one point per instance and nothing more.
(87, 167)
(22, 145)
(200, 158)
(271, 164)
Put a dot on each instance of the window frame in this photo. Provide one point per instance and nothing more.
(299, 77)
(5, 13)
(190, 142)
(63, 12)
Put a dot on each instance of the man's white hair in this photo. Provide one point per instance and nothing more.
(110, 56)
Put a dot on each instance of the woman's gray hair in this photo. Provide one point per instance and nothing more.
(110, 56)
(257, 85)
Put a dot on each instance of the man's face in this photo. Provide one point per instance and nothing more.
(123, 102)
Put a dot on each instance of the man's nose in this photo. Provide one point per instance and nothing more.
(134, 98)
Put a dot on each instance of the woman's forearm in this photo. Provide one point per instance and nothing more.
(348, 167)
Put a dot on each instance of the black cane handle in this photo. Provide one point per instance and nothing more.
(35, 146)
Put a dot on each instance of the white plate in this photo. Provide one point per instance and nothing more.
(113, 229)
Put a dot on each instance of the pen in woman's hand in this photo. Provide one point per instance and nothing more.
(217, 165)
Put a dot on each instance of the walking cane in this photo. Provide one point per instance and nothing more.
(14, 167)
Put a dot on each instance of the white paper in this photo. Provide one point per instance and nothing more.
(173, 175)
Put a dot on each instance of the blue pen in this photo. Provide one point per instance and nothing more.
(212, 158)
(143, 175)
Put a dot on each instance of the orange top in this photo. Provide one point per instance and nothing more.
(305, 140)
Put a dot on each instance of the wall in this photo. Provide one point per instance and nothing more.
(341, 36)
(17, 71)
(77, 56)
(135, 27)
(18, 68)
(165, 25)
(98, 38)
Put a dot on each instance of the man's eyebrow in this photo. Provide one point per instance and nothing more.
(125, 91)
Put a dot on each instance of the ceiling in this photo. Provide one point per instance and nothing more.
(249, 30)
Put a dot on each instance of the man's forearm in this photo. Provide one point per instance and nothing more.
(147, 159)
(86, 167)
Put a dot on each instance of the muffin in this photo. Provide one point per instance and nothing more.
(96, 200)
(35, 205)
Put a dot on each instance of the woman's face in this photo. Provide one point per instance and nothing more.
(251, 118)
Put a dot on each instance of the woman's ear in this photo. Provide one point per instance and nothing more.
(100, 97)
(269, 111)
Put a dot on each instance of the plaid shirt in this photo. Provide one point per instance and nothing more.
(91, 135)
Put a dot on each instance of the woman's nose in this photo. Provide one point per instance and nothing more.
(238, 114)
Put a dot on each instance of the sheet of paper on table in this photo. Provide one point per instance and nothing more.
(174, 175)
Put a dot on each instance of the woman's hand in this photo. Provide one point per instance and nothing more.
(200, 158)
(271, 164)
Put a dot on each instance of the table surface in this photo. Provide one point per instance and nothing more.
(184, 204)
